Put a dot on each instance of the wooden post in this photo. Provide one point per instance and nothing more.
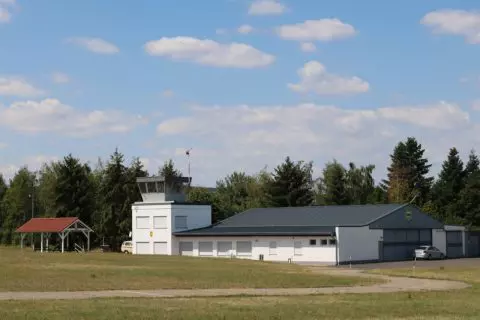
(41, 242)
(47, 235)
(22, 236)
(62, 235)
(88, 240)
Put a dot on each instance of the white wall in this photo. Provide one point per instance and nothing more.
(359, 243)
(261, 245)
(197, 216)
(439, 240)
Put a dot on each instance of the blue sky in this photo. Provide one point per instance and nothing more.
(224, 77)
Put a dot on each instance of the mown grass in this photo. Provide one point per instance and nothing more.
(457, 304)
(24, 270)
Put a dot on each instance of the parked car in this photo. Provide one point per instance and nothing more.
(428, 252)
(127, 247)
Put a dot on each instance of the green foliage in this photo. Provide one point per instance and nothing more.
(291, 184)
(332, 188)
(17, 203)
(47, 188)
(407, 174)
(74, 190)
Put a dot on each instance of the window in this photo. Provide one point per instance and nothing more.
(151, 187)
(143, 223)
(323, 242)
(205, 248)
(224, 248)
(297, 248)
(180, 222)
(272, 248)
(313, 242)
(160, 222)
(186, 248)
(332, 242)
(244, 248)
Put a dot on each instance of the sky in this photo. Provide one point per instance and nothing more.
(243, 83)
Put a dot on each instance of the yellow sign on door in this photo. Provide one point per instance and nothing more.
(151, 234)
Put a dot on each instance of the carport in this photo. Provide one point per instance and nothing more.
(47, 226)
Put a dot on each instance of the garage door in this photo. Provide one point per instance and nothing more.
(160, 248)
(224, 248)
(399, 244)
(142, 247)
(186, 248)
(454, 244)
(205, 248)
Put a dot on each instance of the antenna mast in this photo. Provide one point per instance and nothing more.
(188, 157)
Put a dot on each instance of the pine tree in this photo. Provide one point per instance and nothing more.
(360, 183)
(469, 201)
(47, 192)
(332, 188)
(473, 164)
(74, 190)
(407, 174)
(292, 184)
(114, 195)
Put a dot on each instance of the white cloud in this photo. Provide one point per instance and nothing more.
(315, 78)
(50, 115)
(308, 47)
(4, 15)
(17, 87)
(249, 137)
(95, 45)
(266, 7)
(455, 22)
(209, 52)
(316, 30)
(167, 93)
(476, 105)
(3, 145)
(33, 163)
(245, 29)
(59, 77)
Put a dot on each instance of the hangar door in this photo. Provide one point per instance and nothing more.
(399, 244)
(454, 244)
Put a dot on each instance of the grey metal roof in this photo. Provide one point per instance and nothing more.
(259, 231)
(327, 216)
(296, 220)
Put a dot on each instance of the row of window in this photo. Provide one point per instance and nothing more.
(160, 222)
(243, 248)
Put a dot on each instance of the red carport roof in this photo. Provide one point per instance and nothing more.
(47, 225)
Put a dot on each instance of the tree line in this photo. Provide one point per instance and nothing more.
(102, 195)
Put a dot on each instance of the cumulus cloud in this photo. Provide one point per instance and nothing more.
(209, 52)
(308, 47)
(248, 137)
(95, 45)
(17, 87)
(315, 78)
(266, 7)
(245, 29)
(316, 30)
(60, 78)
(51, 115)
(455, 22)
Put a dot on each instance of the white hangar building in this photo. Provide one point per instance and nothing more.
(165, 224)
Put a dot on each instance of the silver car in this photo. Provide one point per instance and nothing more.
(428, 252)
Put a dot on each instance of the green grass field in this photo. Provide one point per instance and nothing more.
(30, 271)
(24, 270)
(462, 304)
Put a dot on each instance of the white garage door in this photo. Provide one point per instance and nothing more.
(186, 248)
(205, 248)
(160, 248)
(143, 247)
(224, 248)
